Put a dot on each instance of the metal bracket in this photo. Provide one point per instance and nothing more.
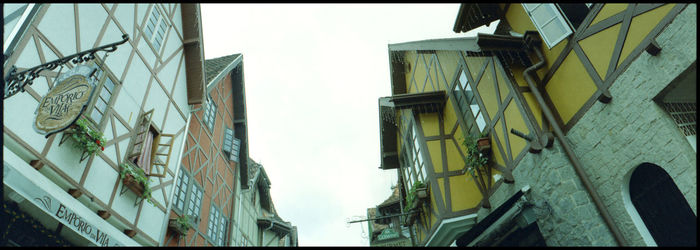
(16, 81)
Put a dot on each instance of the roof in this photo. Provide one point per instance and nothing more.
(393, 198)
(215, 66)
(473, 15)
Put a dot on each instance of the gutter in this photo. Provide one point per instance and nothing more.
(567, 148)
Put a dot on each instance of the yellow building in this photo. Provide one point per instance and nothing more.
(581, 104)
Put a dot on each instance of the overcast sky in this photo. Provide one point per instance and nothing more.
(313, 74)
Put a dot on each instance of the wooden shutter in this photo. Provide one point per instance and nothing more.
(235, 149)
(142, 126)
(162, 147)
(550, 23)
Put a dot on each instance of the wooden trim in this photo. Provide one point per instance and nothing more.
(588, 66)
(104, 27)
(72, 182)
(624, 29)
(621, 69)
(76, 16)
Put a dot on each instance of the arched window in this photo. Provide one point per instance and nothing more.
(662, 207)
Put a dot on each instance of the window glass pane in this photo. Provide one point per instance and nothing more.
(95, 115)
(109, 85)
(543, 14)
(554, 30)
(463, 79)
(480, 122)
(105, 94)
(530, 6)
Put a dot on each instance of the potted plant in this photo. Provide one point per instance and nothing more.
(417, 194)
(483, 143)
(135, 179)
(85, 138)
(476, 160)
(180, 225)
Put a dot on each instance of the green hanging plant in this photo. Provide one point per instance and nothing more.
(476, 160)
(181, 224)
(85, 138)
(411, 197)
(140, 178)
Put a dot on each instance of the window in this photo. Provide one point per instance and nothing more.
(468, 106)
(412, 162)
(150, 150)
(550, 23)
(231, 145)
(575, 13)
(188, 194)
(210, 113)
(155, 28)
(104, 91)
(216, 229)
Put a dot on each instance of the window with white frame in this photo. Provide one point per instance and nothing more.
(468, 106)
(155, 28)
(550, 23)
(412, 161)
(188, 197)
(210, 113)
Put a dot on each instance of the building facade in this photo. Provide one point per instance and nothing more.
(140, 103)
(590, 111)
(216, 146)
(257, 222)
(384, 226)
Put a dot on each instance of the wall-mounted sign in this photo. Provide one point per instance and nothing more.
(65, 102)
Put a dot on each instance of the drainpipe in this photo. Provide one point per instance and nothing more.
(567, 148)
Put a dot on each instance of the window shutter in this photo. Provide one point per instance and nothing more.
(142, 127)
(551, 24)
(161, 154)
(228, 140)
(235, 149)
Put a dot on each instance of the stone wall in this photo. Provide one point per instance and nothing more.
(610, 141)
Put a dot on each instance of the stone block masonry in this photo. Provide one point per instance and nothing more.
(611, 140)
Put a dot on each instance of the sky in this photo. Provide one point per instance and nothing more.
(313, 74)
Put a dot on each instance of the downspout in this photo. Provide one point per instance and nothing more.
(567, 148)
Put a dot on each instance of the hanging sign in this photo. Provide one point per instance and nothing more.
(66, 101)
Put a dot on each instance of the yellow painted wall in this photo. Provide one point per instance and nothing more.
(487, 90)
(454, 159)
(410, 58)
(570, 87)
(497, 156)
(430, 124)
(641, 26)
(464, 192)
(503, 87)
(609, 10)
(599, 48)
(435, 155)
(449, 62)
(419, 75)
(475, 64)
(514, 119)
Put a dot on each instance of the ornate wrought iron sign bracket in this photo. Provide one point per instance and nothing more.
(15, 82)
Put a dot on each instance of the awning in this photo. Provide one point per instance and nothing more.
(57, 204)
(517, 211)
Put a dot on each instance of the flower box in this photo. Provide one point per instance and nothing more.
(483, 144)
(177, 227)
(130, 182)
(84, 138)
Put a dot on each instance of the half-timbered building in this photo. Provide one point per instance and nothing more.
(589, 110)
(140, 105)
(215, 149)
